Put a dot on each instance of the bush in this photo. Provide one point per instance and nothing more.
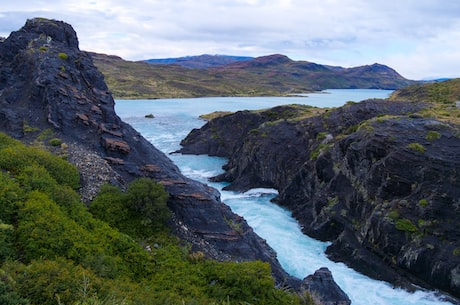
(63, 56)
(149, 200)
(423, 202)
(17, 157)
(432, 135)
(406, 225)
(138, 212)
(55, 142)
(52, 250)
(417, 147)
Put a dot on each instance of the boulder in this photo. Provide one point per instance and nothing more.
(323, 288)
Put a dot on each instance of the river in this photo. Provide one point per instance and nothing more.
(298, 254)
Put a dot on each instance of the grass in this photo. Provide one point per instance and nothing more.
(406, 225)
(417, 147)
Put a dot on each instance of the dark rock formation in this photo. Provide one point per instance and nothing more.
(47, 83)
(323, 288)
(380, 182)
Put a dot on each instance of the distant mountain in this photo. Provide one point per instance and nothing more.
(272, 75)
(200, 61)
(279, 70)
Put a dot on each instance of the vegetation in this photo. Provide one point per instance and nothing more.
(406, 225)
(433, 135)
(274, 75)
(442, 98)
(423, 202)
(63, 56)
(54, 250)
(417, 147)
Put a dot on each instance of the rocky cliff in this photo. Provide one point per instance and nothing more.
(50, 92)
(375, 178)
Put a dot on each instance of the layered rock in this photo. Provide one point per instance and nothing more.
(324, 287)
(48, 86)
(378, 181)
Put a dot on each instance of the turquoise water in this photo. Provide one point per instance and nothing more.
(298, 254)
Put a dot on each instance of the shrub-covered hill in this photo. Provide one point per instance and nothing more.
(441, 96)
(54, 250)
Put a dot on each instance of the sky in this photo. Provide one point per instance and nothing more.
(420, 39)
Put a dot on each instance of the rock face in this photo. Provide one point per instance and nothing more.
(322, 284)
(48, 86)
(378, 181)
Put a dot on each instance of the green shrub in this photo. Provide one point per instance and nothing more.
(18, 156)
(148, 198)
(456, 252)
(63, 56)
(423, 202)
(138, 212)
(26, 128)
(8, 291)
(406, 225)
(7, 250)
(54, 251)
(432, 135)
(55, 142)
(417, 147)
(394, 214)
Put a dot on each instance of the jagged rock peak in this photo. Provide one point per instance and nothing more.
(57, 30)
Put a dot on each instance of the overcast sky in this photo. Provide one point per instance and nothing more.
(418, 38)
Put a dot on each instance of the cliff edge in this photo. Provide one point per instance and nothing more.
(378, 178)
(49, 87)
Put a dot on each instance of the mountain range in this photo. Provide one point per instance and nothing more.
(219, 75)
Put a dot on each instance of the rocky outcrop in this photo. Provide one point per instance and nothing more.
(49, 87)
(379, 181)
(323, 288)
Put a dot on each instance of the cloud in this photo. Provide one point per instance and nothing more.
(408, 35)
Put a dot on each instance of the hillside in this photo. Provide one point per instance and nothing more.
(119, 224)
(378, 179)
(272, 75)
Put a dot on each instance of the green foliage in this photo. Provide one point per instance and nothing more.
(456, 252)
(439, 93)
(322, 135)
(394, 214)
(139, 212)
(55, 142)
(54, 251)
(7, 249)
(417, 147)
(63, 56)
(432, 135)
(45, 134)
(15, 156)
(8, 291)
(423, 202)
(406, 225)
(148, 199)
(26, 128)
(321, 148)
